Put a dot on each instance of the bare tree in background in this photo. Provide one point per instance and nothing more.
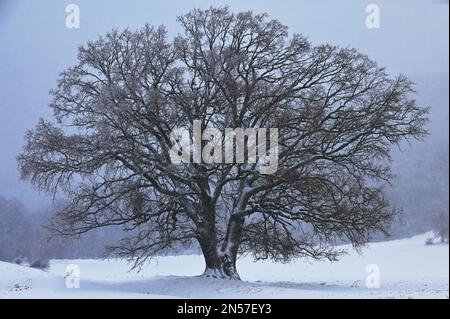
(15, 229)
(337, 112)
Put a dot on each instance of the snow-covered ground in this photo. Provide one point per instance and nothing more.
(407, 269)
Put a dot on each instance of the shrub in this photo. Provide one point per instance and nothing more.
(441, 226)
(40, 264)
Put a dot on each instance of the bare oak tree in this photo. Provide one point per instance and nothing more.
(337, 112)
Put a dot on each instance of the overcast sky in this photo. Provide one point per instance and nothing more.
(35, 46)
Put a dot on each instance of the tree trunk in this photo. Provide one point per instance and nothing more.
(222, 263)
(217, 263)
(221, 266)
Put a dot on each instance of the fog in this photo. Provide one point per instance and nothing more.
(35, 46)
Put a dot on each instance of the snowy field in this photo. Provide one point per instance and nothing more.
(407, 269)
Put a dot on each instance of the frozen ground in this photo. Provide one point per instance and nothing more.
(407, 268)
